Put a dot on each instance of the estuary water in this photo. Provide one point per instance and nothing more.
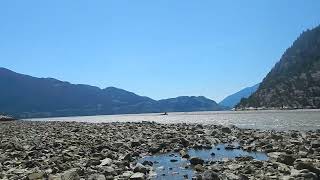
(265, 120)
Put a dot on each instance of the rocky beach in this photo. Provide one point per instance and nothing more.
(98, 151)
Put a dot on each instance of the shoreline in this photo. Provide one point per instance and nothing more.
(181, 113)
(57, 150)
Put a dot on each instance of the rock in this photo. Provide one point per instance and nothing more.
(106, 162)
(276, 137)
(184, 154)
(127, 174)
(226, 130)
(286, 159)
(147, 163)
(118, 144)
(107, 170)
(71, 174)
(195, 161)
(231, 176)
(97, 177)
(128, 157)
(154, 149)
(307, 165)
(283, 168)
(36, 176)
(135, 143)
(199, 168)
(231, 147)
(173, 160)
(315, 144)
(140, 168)
(210, 175)
(185, 142)
(243, 177)
(54, 177)
(93, 162)
(138, 176)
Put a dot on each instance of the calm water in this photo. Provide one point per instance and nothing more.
(279, 120)
(165, 169)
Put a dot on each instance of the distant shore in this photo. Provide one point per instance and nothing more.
(272, 108)
(62, 150)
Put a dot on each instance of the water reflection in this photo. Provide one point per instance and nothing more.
(173, 166)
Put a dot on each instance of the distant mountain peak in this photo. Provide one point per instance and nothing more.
(232, 100)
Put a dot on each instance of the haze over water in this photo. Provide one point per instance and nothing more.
(277, 120)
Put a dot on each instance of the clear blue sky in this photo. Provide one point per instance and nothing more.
(156, 48)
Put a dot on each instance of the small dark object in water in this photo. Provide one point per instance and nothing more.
(230, 147)
(218, 149)
(186, 176)
(213, 154)
(173, 160)
(164, 114)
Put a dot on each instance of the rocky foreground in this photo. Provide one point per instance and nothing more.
(67, 151)
(6, 118)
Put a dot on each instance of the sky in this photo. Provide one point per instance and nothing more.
(159, 48)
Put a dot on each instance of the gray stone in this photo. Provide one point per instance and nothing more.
(138, 176)
(184, 154)
(106, 162)
(140, 168)
(36, 176)
(315, 144)
(97, 177)
(210, 175)
(71, 174)
(286, 159)
(199, 168)
(127, 174)
(226, 130)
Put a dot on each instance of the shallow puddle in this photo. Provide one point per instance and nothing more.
(173, 166)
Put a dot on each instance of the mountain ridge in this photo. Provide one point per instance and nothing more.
(232, 100)
(24, 96)
(294, 82)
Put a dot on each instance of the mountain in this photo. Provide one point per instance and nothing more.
(187, 103)
(27, 96)
(294, 82)
(232, 100)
